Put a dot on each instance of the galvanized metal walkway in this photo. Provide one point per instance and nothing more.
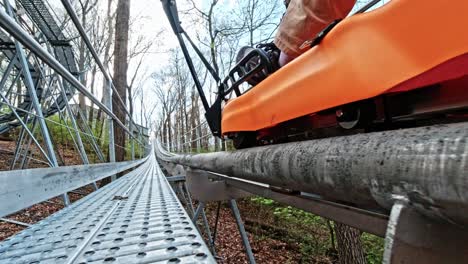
(136, 219)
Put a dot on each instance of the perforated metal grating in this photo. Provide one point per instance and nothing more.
(136, 219)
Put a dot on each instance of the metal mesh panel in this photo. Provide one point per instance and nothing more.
(136, 219)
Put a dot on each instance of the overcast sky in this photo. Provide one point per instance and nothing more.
(153, 21)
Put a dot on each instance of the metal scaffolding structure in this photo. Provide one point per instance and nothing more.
(40, 79)
(55, 72)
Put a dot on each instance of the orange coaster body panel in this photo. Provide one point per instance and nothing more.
(362, 57)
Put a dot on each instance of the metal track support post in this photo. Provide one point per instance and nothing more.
(197, 213)
(240, 225)
(184, 197)
(208, 232)
(11, 221)
(141, 146)
(188, 197)
(201, 211)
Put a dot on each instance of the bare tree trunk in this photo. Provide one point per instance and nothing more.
(82, 61)
(176, 132)
(216, 144)
(101, 134)
(81, 66)
(193, 119)
(206, 140)
(142, 116)
(332, 234)
(169, 132)
(120, 73)
(91, 108)
(223, 145)
(199, 129)
(18, 92)
(188, 138)
(130, 110)
(164, 133)
(349, 245)
(182, 126)
(110, 35)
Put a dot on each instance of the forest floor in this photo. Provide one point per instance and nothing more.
(278, 234)
(271, 242)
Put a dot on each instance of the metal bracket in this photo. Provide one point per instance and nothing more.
(414, 238)
(206, 190)
(176, 178)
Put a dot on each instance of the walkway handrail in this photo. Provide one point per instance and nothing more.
(22, 188)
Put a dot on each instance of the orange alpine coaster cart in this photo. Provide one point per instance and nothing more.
(403, 64)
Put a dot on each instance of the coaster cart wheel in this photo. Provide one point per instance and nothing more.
(244, 139)
(358, 115)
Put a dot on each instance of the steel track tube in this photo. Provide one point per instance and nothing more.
(243, 234)
(427, 164)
